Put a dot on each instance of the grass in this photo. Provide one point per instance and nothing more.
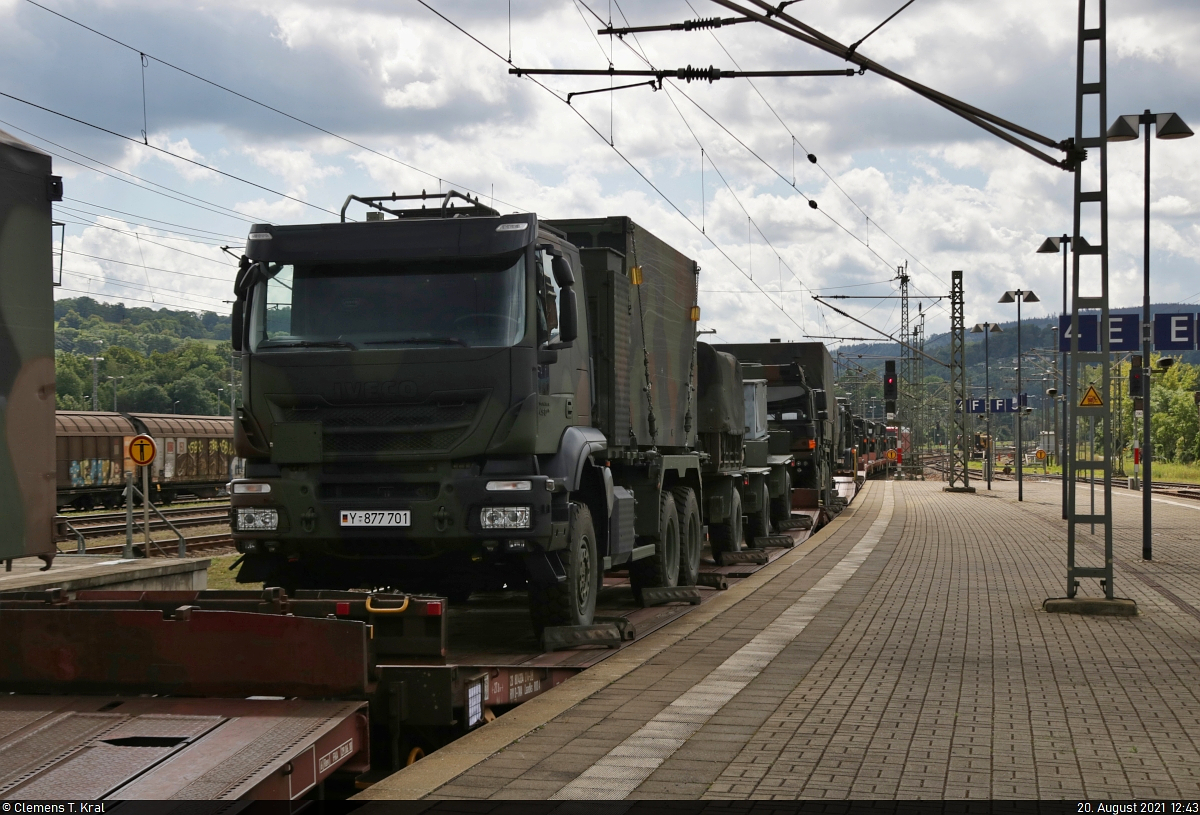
(220, 578)
(1162, 470)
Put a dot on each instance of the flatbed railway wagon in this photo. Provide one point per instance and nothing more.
(195, 456)
(258, 694)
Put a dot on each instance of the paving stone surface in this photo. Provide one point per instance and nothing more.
(923, 667)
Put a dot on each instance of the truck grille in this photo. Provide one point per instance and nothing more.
(358, 444)
(374, 416)
(369, 491)
(370, 430)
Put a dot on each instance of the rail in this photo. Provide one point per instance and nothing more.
(81, 547)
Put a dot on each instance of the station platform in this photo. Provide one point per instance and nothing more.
(73, 573)
(900, 652)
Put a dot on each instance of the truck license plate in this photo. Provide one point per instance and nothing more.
(396, 517)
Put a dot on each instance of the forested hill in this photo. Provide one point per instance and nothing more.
(78, 320)
(160, 360)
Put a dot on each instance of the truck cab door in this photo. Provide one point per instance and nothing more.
(564, 382)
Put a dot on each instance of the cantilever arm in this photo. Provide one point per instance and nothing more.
(981, 118)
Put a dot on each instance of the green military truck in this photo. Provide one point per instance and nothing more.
(799, 379)
(747, 486)
(445, 398)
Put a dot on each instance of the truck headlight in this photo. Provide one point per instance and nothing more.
(504, 518)
(254, 519)
(249, 488)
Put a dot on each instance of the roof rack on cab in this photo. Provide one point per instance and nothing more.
(446, 210)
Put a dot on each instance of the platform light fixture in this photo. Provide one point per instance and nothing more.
(985, 329)
(1019, 296)
(1128, 128)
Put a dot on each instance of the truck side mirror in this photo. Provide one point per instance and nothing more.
(568, 312)
(819, 401)
(563, 275)
(235, 327)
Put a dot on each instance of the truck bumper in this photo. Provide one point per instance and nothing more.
(443, 518)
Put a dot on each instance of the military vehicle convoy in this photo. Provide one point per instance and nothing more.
(800, 380)
(451, 399)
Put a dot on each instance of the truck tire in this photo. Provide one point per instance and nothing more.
(691, 535)
(727, 535)
(758, 525)
(572, 602)
(662, 568)
(781, 507)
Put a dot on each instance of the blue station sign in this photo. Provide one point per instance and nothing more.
(1172, 332)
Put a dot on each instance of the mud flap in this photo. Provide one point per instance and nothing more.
(545, 568)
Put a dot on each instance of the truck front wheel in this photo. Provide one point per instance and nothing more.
(691, 535)
(759, 524)
(572, 602)
(661, 569)
(781, 507)
(726, 536)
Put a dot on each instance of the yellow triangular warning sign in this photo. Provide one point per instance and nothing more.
(1091, 398)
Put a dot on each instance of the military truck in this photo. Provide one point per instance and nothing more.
(799, 377)
(769, 452)
(445, 398)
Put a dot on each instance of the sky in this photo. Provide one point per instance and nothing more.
(373, 97)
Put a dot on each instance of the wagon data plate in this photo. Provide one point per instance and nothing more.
(387, 517)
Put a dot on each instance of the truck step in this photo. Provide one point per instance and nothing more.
(774, 542)
(670, 594)
(712, 580)
(801, 522)
(606, 631)
(758, 557)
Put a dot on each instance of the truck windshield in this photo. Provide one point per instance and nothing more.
(472, 302)
(787, 403)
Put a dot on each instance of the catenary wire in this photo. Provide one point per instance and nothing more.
(171, 234)
(165, 151)
(216, 209)
(264, 105)
(819, 166)
(623, 157)
(147, 219)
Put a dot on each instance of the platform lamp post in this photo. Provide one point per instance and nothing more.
(1019, 296)
(115, 380)
(985, 329)
(1051, 246)
(174, 405)
(96, 360)
(219, 392)
(1128, 128)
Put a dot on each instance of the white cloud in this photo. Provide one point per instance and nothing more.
(400, 80)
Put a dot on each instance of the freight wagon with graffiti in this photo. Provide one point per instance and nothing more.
(195, 456)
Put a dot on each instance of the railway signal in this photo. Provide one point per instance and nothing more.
(1135, 376)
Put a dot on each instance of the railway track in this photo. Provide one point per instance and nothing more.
(1175, 489)
(196, 543)
(108, 524)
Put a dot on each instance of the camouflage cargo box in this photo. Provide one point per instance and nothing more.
(643, 335)
(26, 349)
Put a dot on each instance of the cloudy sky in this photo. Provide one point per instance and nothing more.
(403, 101)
